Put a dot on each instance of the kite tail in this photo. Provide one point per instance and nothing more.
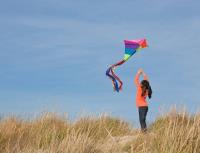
(114, 81)
(119, 63)
(114, 77)
(117, 78)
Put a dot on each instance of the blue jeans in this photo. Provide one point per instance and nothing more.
(142, 117)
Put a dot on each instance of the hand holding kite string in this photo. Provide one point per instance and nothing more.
(131, 47)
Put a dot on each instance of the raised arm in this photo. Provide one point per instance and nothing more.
(145, 76)
(137, 77)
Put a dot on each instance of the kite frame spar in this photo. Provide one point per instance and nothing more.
(131, 47)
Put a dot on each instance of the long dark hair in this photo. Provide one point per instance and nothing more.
(146, 88)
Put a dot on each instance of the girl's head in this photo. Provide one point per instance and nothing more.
(146, 88)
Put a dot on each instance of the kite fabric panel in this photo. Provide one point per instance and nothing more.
(131, 47)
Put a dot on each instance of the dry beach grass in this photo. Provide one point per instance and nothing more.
(174, 132)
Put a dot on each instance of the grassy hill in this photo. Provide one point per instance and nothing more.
(171, 133)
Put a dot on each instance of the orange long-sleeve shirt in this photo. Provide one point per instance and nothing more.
(140, 100)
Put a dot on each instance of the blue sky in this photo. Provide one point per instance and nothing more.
(54, 54)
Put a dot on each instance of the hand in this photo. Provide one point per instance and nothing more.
(140, 71)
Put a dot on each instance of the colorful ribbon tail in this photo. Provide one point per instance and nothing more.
(118, 79)
(119, 63)
(115, 76)
(114, 82)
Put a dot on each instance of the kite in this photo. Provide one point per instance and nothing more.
(131, 47)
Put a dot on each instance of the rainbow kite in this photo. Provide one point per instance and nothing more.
(131, 47)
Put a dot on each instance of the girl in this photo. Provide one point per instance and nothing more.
(143, 90)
